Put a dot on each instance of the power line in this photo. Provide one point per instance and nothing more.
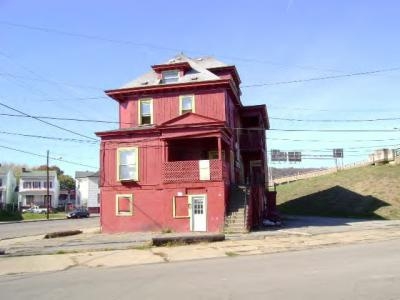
(335, 130)
(64, 119)
(53, 158)
(322, 78)
(329, 141)
(49, 137)
(47, 123)
(233, 128)
(335, 120)
(296, 108)
(51, 81)
(157, 47)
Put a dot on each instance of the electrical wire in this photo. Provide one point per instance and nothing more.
(47, 123)
(53, 158)
(321, 78)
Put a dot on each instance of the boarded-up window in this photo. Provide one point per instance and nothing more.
(204, 169)
(124, 205)
(180, 207)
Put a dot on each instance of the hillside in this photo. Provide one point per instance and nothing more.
(372, 192)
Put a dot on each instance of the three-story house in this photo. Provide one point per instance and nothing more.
(187, 156)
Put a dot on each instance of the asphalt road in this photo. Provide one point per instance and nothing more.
(362, 271)
(20, 229)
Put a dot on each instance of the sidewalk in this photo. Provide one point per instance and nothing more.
(92, 249)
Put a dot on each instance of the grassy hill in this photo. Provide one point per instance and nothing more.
(365, 192)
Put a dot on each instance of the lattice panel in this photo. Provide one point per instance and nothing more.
(188, 171)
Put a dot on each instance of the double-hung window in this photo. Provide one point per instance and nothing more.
(170, 76)
(127, 159)
(145, 111)
(186, 104)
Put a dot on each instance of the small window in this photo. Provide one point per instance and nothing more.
(36, 184)
(145, 111)
(124, 205)
(27, 185)
(186, 104)
(170, 76)
(50, 184)
(127, 164)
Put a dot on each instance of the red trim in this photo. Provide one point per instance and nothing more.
(226, 83)
(173, 66)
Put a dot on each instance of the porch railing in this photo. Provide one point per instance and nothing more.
(188, 171)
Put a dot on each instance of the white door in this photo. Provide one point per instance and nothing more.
(199, 213)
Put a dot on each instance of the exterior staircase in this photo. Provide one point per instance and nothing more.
(236, 214)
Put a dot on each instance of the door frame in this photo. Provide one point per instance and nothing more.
(190, 201)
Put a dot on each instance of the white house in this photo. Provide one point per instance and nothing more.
(87, 190)
(33, 188)
(7, 187)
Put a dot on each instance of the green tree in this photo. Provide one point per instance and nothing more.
(51, 168)
(66, 182)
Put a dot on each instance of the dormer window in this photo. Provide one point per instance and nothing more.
(170, 76)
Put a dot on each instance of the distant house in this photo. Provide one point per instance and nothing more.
(188, 155)
(87, 190)
(7, 188)
(66, 198)
(33, 189)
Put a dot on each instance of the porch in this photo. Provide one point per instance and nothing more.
(195, 171)
(196, 159)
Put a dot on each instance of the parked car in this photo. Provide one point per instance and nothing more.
(78, 213)
(35, 209)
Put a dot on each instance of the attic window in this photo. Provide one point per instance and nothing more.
(170, 76)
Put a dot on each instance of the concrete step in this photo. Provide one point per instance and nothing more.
(234, 221)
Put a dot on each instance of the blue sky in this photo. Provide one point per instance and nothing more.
(57, 58)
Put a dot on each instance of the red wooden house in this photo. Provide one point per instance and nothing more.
(188, 156)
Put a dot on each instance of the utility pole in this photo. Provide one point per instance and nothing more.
(47, 192)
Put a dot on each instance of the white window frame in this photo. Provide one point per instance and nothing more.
(181, 104)
(144, 100)
(124, 213)
(136, 154)
(169, 76)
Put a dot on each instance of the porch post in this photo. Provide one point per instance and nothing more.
(165, 147)
(219, 148)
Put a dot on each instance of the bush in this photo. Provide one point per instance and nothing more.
(8, 215)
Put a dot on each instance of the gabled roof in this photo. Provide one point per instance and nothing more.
(189, 119)
(198, 71)
(37, 173)
(84, 174)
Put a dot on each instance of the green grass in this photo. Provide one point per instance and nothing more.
(32, 216)
(365, 192)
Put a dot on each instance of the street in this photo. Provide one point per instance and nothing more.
(20, 229)
(360, 271)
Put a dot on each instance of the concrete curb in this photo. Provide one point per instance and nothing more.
(39, 220)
